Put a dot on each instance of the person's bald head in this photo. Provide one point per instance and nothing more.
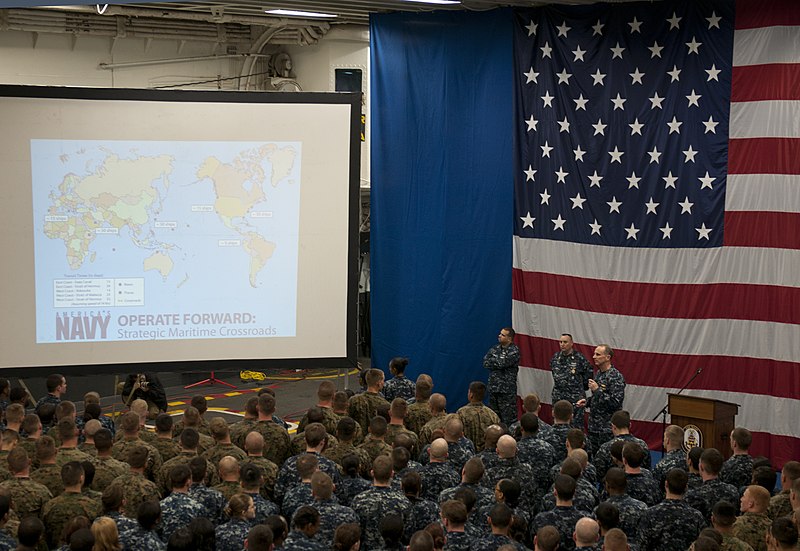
(91, 427)
(506, 447)
(254, 443)
(453, 428)
(229, 468)
(492, 435)
(587, 532)
(437, 403)
(438, 450)
(580, 456)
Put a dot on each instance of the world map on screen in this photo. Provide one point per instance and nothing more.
(205, 232)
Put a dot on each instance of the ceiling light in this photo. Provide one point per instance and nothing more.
(297, 13)
(438, 2)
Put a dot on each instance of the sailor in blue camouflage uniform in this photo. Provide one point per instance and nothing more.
(352, 484)
(502, 361)
(630, 509)
(377, 502)
(673, 524)
(251, 480)
(212, 500)
(608, 394)
(571, 373)
(620, 428)
(423, 511)
(564, 516)
(454, 519)
(500, 519)
(331, 514)
(143, 535)
(305, 525)
(179, 508)
(56, 385)
(438, 474)
(713, 489)
(471, 477)
(641, 484)
(315, 441)
(509, 466)
(535, 452)
(399, 386)
(459, 448)
(585, 497)
(738, 469)
(562, 423)
(531, 404)
(231, 536)
(674, 458)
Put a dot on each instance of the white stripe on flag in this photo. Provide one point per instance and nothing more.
(757, 266)
(763, 192)
(711, 337)
(766, 45)
(759, 119)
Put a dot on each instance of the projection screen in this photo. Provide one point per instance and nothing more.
(177, 227)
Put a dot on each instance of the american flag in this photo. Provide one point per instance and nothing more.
(657, 202)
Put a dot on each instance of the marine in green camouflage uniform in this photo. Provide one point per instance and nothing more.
(476, 417)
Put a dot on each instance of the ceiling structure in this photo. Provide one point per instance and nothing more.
(252, 12)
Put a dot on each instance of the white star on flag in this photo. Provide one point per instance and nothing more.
(706, 181)
(527, 220)
(577, 201)
(632, 231)
(703, 231)
(598, 78)
(545, 197)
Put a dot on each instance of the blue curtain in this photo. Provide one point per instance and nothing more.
(441, 191)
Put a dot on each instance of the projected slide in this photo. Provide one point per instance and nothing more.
(165, 240)
(178, 227)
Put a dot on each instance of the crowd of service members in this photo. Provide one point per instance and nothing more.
(386, 469)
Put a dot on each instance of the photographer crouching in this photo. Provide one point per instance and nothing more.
(148, 387)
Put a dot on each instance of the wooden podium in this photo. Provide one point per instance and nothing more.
(714, 419)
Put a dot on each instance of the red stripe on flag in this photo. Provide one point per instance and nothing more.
(777, 81)
(764, 156)
(751, 14)
(724, 373)
(778, 230)
(752, 302)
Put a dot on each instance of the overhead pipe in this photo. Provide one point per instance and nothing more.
(131, 64)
